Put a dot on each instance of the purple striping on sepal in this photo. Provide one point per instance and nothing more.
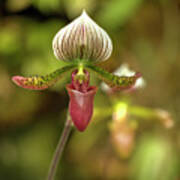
(82, 39)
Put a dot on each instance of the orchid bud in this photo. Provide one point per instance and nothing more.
(82, 39)
(165, 118)
(123, 131)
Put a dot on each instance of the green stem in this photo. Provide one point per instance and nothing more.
(59, 148)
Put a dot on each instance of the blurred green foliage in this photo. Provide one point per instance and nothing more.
(140, 143)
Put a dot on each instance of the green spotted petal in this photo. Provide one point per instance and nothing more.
(114, 81)
(42, 82)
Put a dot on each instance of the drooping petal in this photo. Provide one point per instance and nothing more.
(41, 82)
(81, 106)
(124, 70)
(114, 81)
(33, 83)
(82, 39)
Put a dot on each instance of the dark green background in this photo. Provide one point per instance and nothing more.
(146, 35)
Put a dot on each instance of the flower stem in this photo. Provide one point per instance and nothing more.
(60, 148)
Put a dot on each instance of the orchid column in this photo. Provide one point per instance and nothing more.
(81, 44)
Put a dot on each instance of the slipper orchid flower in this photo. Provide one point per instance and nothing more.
(81, 44)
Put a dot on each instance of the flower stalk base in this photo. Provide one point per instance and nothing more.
(59, 149)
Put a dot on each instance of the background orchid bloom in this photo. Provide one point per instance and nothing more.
(124, 70)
